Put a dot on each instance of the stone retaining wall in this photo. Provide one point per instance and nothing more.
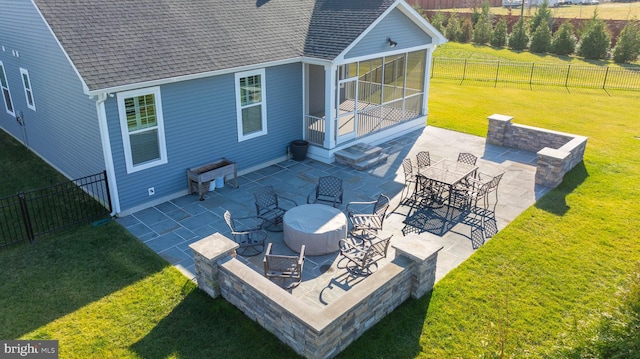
(311, 331)
(558, 152)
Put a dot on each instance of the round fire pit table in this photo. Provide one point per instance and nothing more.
(319, 227)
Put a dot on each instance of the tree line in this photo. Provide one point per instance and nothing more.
(591, 41)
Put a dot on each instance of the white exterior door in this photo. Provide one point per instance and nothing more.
(346, 109)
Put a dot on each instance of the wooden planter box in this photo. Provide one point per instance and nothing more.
(199, 178)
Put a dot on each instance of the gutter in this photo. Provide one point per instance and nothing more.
(106, 151)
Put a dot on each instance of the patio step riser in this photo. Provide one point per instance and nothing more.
(371, 162)
(361, 156)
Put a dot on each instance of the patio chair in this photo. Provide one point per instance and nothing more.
(364, 252)
(492, 186)
(268, 207)
(248, 233)
(409, 178)
(288, 269)
(327, 191)
(468, 158)
(470, 192)
(424, 160)
(368, 216)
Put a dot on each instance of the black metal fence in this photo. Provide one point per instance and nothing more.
(598, 77)
(27, 215)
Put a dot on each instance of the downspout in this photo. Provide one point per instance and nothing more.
(106, 150)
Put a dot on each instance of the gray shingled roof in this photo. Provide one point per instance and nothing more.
(119, 42)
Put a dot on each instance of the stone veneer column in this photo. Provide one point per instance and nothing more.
(551, 167)
(207, 253)
(422, 250)
(497, 129)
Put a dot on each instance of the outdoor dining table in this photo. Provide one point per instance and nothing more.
(443, 175)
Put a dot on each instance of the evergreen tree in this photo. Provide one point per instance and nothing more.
(499, 34)
(466, 31)
(542, 15)
(595, 39)
(519, 39)
(628, 44)
(541, 39)
(482, 28)
(475, 16)
(564, 42)
(453, 28)
(438, 20)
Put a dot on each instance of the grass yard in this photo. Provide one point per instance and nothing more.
(541, 288)
(20, 170)
(457, 50)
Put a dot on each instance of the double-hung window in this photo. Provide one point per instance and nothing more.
(142, 128)
(28, 92)
(6, 94)
(250, 104)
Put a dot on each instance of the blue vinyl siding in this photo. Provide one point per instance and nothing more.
(200, 127)
(399, 28)
(64, 129)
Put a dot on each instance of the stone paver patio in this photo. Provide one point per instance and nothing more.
(169, 228)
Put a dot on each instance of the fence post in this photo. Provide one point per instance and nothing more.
(531, 76)
(495, 83)
(433, 68)
(606, 75)
(566, 80)
(106, 184)
(464, 71)
(25, 216)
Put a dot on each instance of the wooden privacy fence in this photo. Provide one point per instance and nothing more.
(604, 77)
(27, 215)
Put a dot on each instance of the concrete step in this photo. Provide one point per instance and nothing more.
(371, 162)
(357, 153)
(361, 156)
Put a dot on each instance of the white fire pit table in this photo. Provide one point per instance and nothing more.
(319, 227)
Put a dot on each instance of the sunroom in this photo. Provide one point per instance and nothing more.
(367, 99)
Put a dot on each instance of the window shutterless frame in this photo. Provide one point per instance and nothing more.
(142, 128)
(6, 94)
(251, 104)
(28, 91)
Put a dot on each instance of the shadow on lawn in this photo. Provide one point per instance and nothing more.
(396, 336)
(555, 202)
(201, 327)
(62, 273)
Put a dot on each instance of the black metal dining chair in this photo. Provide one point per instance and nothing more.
(423, 159)
(409, 178)
(468, 158)
(328, 191)
(269, 207)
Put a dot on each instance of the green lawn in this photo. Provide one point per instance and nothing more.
(457, 50)
(538, 289)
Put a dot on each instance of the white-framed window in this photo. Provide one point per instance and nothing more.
(142, 128)
(6, 94)
(251, 104)
(28, 91)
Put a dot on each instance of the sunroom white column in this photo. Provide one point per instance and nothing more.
(329, 106)
(427, 78)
